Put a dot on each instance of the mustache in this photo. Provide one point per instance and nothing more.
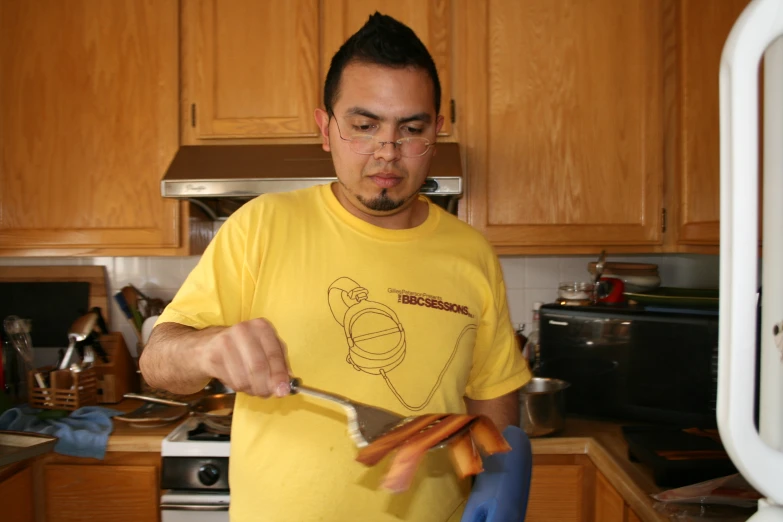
(385, 168)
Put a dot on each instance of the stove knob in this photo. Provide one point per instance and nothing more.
(208, 474)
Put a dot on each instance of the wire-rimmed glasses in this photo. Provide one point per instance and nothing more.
(369, 144)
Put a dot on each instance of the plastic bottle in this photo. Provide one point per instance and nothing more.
(531, 350)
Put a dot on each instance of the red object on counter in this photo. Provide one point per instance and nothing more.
(616, 288)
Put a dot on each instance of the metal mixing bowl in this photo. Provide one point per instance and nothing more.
(542, 406)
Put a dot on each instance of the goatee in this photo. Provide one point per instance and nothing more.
(381, 203)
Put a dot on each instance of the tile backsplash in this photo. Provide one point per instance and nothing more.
(528, 278)
(535, 278)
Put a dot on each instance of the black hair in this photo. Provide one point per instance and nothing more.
(381, 41)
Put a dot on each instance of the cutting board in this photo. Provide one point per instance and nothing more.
(53, 297)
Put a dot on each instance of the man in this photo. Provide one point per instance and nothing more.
(362, 288)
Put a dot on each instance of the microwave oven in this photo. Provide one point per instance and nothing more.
(632, 364)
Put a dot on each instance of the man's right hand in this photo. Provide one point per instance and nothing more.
(248, 357)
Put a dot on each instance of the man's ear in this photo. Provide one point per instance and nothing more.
(322, 120)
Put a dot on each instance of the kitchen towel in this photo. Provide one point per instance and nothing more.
(83, 433)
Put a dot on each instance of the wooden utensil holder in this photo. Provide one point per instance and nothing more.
(67, 390)
(118, 376)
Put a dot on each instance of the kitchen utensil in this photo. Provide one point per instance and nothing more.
(132, 298)
(79, 331)
(100, 322)
(215, 411)
(119, 298)
(542, 406)
(19, 337)
(152, 415)
(599, 267)
(599, 270)
(365, 423)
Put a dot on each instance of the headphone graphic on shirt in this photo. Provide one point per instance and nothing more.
(376, 337)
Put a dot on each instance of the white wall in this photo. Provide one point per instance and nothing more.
(528, 278)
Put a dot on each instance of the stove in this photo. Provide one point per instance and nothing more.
(194, 474)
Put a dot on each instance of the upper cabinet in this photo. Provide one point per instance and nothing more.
(250, 68)
(430, 20)
(88, 125)
(700, 30)
(584, 125)
(255, 68)
(563, 123)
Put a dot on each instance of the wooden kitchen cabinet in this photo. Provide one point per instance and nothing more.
(124, 487)
(562, 122)
(700, 30)
(16, 494)
(250, 68)
(255, 68)
(569, 488)
(631, 516)
(561, 489)
(609, 505)
(88, 125)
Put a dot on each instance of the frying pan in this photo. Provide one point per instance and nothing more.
(210, 409)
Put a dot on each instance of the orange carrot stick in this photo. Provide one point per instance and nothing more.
(486, 435)
(408, 457)
(383, 445)
(465, 457)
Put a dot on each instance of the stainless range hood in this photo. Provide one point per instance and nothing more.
(207, 174)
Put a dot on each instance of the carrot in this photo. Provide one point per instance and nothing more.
(408, 457)
(385, 444)
(465, 457)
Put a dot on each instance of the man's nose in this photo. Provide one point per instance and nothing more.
(389, 151)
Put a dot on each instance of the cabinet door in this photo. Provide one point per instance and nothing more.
(609, 505)
(430, 20)
(250, 67)
(75, 493)
(556, 493)
(88, 125)
(16, 497)
(702, 29)
(631, 516)
(563, 122)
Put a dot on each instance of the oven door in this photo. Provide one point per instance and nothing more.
(194, 506)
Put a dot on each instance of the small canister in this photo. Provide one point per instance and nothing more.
(575, 293)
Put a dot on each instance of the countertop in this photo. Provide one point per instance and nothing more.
(601, 441)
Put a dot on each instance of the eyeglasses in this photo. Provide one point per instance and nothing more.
(369, 144)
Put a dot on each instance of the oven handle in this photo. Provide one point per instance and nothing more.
(194, 507)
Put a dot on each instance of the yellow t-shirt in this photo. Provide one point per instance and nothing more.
(409, 320)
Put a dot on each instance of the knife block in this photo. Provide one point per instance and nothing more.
(118, 376)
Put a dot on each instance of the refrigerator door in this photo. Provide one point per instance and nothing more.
(757, 456)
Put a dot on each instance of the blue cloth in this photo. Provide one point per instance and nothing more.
(500, 493)
(83, 433)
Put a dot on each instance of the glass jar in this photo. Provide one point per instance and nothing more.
(574, 293)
